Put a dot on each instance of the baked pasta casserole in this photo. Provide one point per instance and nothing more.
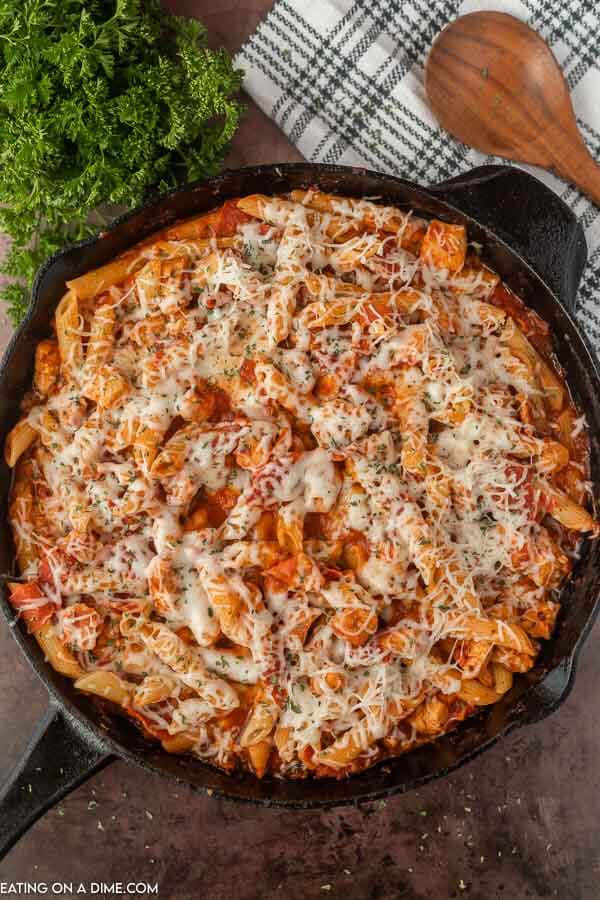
(296, 485)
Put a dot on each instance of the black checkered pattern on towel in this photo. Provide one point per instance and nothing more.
(344, 80)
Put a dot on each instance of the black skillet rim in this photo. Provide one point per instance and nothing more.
(90, 730)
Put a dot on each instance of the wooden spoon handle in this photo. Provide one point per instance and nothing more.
(583, 170)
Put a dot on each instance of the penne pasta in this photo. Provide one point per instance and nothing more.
(19, 439)
(349, 746)
(444, 246)
(541, 372)
(431, 717)
(59, 657)
(107, 685)
(413, 419)
(197, 227)
(474, 627)
(474, 692)
(560, 506)
(106, 387)
(260, 724)
(68, 332)
(90, 285)
(371, 216)
(178, 743)
(100, 342)
(22, 514)
(258, 755)
(294, 487)
(502, 678)
(280, 212)
(47, 366)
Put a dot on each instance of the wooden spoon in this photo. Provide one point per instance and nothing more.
(494, 84)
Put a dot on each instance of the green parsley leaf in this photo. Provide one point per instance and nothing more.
(100, 103)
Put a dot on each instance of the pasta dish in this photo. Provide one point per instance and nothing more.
(296, 485)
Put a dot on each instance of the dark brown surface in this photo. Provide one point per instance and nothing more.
(519, 822)
(493, 83)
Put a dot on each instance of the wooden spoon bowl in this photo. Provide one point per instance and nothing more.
(494, 84)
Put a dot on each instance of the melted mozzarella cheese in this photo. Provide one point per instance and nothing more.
(290, 538)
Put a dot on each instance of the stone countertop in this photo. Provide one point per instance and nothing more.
(518, 822)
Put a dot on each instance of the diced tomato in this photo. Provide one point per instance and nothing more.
(24, 599)
(247, 371)
(230, 219)
(279, 695)
(313, 527)
(329, 572)
(222, 405)
(517, 473)
(45, 571)
(522, 478)
(524, 475)
(54, 560)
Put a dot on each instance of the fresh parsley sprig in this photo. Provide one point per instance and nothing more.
(100, 101)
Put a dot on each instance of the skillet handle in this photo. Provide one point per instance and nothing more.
(527, 216)
(548, 695)
(58, 758)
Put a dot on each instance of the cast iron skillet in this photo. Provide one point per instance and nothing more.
(535, 243)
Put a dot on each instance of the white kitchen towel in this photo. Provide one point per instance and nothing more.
(344, 80)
